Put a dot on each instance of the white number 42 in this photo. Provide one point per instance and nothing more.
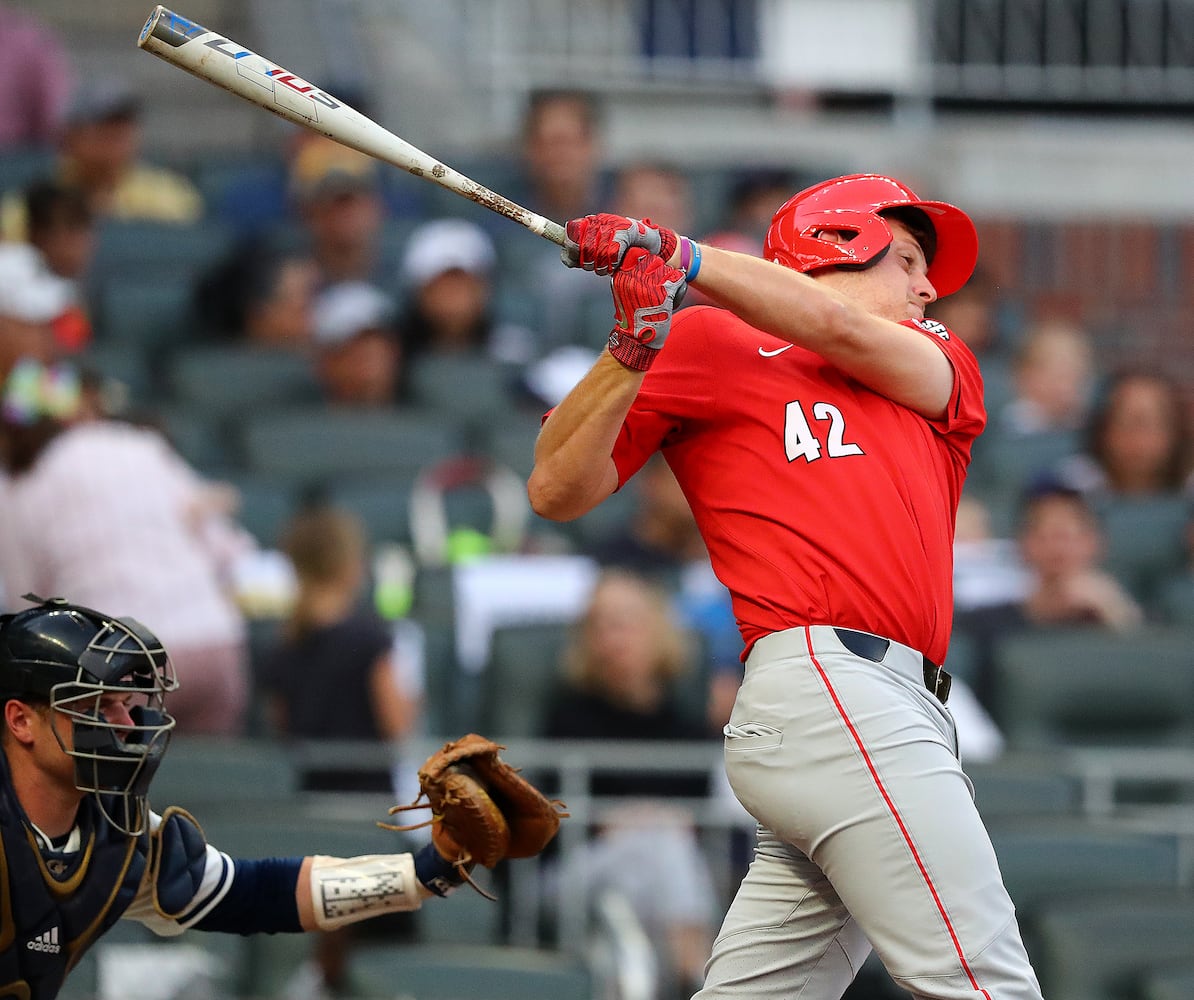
(801, 442)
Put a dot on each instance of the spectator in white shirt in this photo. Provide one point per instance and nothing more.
(109, 515)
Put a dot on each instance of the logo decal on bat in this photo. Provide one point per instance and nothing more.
(171, 28)
(270, 77)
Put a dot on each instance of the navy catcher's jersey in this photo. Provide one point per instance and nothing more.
(56, 902)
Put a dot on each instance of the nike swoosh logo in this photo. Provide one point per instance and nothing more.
(772, 354)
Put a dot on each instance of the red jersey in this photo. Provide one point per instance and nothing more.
(821, 502)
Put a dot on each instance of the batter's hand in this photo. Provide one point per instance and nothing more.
(599, 242)
(646, 291)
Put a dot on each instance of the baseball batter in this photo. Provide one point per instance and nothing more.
(821, 429)
(85, 728)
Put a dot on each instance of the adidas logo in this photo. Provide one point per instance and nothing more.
(45, 942)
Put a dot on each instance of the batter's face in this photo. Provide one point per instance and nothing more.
(897, 287)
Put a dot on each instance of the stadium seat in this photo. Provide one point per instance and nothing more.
(266, 504)
(524, 668)
(1102, 948)
(228, 381)
(154, 251)
(22, 165)
(1004, 465)
(1145, 538)
(1087, 686)
(126, 364)
(510, 441)
(382, 502)
(468, 386)
(1051, 859)
(198, 439)
(1011, 787)
(316, 445)
(153, 315)
(448, 972)
(1168, 984)
(205, 774)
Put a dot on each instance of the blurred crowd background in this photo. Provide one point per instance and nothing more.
(278, 401)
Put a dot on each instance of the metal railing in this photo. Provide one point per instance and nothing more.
(1064, 51)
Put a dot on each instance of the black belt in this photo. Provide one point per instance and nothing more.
(875, 647)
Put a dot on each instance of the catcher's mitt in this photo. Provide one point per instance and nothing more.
(482, 809)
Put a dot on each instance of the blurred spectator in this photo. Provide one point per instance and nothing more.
(259, 196)
(1138, 439)
(561, 154)
(660, 541)
(62, 229)
(35, 80)
(627, 655)
(655, 190)
(358, 357)
(337, 196)
(332, 675)
(32, 301)
(1053, 376)
(258, 296)
(100, 154)
(448, 278)
(108, 515)
(753, 198)
(561, 176)
(1061, 545)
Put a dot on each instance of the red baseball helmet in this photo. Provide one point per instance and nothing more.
(852, 204)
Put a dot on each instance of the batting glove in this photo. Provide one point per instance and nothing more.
(646, 291)
(598, 243)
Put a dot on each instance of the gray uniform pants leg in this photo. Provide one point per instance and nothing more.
(868, 836)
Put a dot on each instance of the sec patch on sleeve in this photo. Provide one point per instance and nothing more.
(932, 326)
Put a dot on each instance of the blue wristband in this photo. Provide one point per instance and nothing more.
(693, 269)
(436, 872)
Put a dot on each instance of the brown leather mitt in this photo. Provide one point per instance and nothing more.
(482, 809)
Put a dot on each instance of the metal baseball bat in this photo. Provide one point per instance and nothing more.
(228, 64)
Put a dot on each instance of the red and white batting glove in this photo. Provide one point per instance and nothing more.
(646, 291)
(598, 243)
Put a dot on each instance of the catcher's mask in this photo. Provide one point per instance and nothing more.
(852, 205)
(76, 660)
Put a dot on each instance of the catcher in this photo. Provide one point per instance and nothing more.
(85, 728)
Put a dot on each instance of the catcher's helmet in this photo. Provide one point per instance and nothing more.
(71, 657)
(853, 204)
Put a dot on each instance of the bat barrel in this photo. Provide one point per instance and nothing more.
(227, 64)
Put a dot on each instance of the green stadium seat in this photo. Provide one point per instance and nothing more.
(1047, 860)
(155, 316)
(1102, 948)
(448, 972)
(153, 251)
(317, 445)
(206, 774)
(524, 669)
(1087, 686)
(229, 381)
(1145, 539)
(1168, 984)
(471, 387)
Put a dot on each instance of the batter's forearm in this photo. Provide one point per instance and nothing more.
(573, 469)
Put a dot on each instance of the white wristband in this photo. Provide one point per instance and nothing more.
(345, 890)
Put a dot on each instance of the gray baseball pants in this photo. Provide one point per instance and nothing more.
(868, 836)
